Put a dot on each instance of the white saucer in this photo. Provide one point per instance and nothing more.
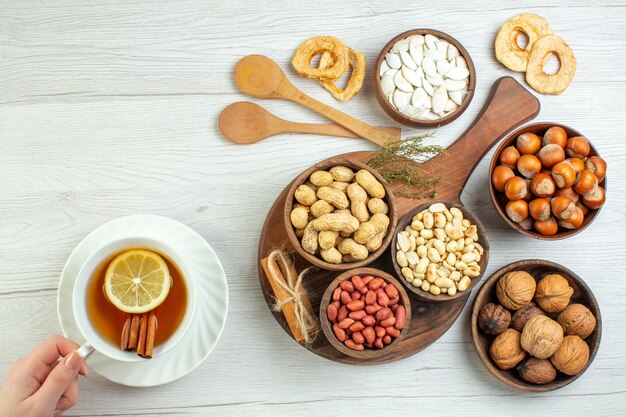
(211, 307)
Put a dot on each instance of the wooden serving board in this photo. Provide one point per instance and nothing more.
(508, 106)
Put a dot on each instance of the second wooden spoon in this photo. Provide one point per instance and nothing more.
(245, 122)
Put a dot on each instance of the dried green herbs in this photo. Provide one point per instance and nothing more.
(397, 164)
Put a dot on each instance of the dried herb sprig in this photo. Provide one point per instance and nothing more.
(396, 163)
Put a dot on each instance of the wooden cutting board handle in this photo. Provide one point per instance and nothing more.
(508, 106)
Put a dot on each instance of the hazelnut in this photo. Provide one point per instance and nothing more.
(575, 220)
(586, 182)
(567, 192)
(577, 163)
(540, 209)
(571, 356)
(506, 350)
(555, 135)
(577, 319)
(515, 188)
(509, 156)
(562, 207)
(501, 174)
(594, 200)
(515, 289)
(493, 318)
(553, 293)
(517, 210)
(596, 165)
(578, 147)
(537, 371)
(541, 337)
(547, 227)
(528, 165)
(521, 316)
(542, 185)
(528, 143)
(550, 155)
(563, 174)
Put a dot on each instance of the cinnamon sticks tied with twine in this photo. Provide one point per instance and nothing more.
(291, 297)
(138, 333)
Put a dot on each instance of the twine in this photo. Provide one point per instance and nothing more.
(305, 320)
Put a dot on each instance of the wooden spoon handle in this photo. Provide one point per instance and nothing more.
(508, 106)
(376, 135)
(332, 129)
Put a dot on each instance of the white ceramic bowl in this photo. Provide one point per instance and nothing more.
(106, 251)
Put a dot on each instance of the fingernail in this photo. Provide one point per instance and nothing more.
(73, 361)
(84, 369)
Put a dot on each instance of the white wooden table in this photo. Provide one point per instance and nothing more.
(109, 108)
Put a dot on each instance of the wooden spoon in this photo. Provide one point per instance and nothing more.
(245, 122)
(258, 76)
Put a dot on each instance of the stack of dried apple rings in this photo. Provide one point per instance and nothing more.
(531, 59)
(335, 60)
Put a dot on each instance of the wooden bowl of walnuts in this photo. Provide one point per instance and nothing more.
(536, 325)
(340, 214)
(547, 181)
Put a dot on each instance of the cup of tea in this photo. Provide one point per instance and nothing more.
(102, 324)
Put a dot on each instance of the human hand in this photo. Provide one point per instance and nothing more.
(39, 385)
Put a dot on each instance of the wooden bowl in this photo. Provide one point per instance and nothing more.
(487, 294)
(326, 165)
(401, 117)
(482, 239)
(499, 200)
(328, 331)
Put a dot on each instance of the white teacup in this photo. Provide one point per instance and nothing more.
(79, 298)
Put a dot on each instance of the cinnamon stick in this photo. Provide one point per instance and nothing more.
(133, 332)
(143, 333)
(126, 332)
(149, 343)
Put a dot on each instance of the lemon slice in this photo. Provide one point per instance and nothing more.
(137, 281)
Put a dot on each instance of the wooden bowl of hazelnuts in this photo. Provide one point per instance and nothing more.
(536, 325)
(547, 181)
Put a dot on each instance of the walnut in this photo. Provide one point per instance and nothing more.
(572, 356)
(577, 319)
(521, 316)
(516, 289)
(537, 371)
(506, 350)
(493, 318)
(541, 337)
(553, 293)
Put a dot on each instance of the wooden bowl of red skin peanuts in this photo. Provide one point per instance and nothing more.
(394, 318)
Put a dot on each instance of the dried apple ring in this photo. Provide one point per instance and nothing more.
(550, 83)
(508, 51)
(301, 60)
(357, 62)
